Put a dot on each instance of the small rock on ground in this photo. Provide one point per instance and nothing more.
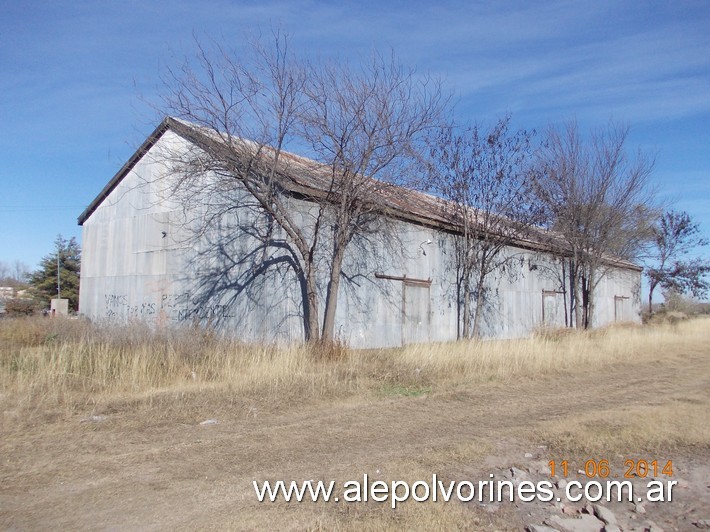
(605, 514)
(540, 528)
(94, 419)
(584, 523)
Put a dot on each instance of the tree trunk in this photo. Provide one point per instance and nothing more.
(331, 298)
(459, 332)
(590, 299)
(462, 255)
(310, 307)
(585, 311)
(585, 300)
(570, 280)
(651, 288)
(479, 305)
(574, 277)
(564, 292)
(466, 307)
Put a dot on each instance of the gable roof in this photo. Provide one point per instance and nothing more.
(300, 175)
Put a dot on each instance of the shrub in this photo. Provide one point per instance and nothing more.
(16, 307)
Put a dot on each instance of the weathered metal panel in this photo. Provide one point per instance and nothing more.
(416, 313)
(553, 310)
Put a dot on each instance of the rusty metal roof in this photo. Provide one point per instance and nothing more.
(306, 177)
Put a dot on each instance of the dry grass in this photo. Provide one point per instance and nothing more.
(544, 354)
(459, 410)
(60, 361)
(662, 428)
(70, 362)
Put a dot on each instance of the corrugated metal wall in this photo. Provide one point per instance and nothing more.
(141, 260)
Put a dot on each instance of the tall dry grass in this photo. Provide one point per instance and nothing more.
(68, 361)
(551, 352)
(55, 361)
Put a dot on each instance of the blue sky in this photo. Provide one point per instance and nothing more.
(75, 77)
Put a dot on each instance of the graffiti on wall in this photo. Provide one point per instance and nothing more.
(174, 307)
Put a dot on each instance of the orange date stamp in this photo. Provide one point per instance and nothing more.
(603, 469)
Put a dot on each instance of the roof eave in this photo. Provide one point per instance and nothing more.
(193, 135)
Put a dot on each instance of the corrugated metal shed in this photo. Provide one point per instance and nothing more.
(136, 265)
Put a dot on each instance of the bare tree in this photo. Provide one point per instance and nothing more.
(244, 107)
(675, 235)
(485, 175)
(598, 200)
(20, 271)
(360, 126)
(365, 126)
(14, 274)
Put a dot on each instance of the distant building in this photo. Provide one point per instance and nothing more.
(11, 293)
(6, 292)
(139, 261)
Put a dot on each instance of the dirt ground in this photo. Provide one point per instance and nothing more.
(156, 467)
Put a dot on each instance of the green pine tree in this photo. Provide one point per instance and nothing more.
(44, 280)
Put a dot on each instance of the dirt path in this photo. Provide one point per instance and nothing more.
(128, 472)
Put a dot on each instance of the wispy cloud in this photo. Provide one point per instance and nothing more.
(643, 74)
